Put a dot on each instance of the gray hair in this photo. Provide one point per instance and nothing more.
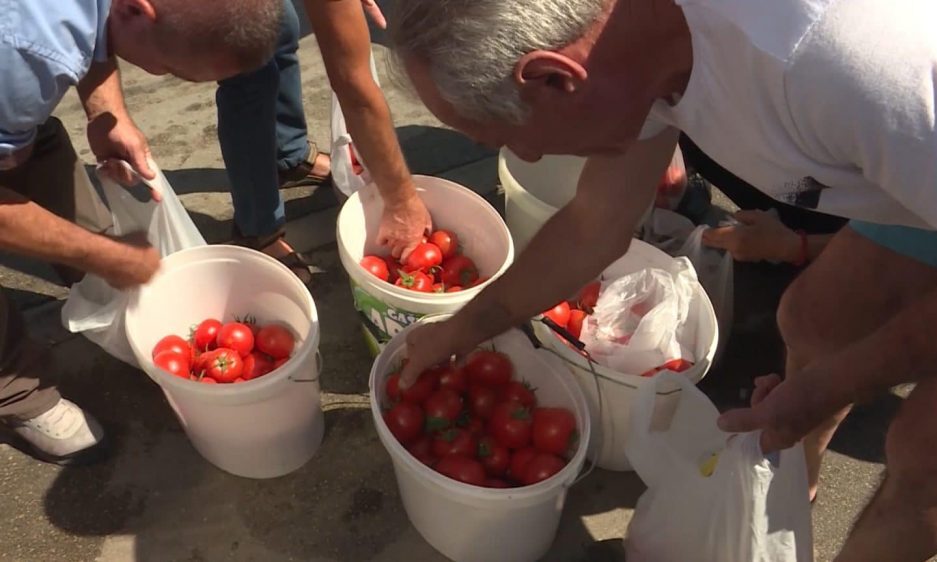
(472, 46)
(246, 30)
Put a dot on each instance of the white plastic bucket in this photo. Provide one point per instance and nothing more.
(386, 309)
(468, 523)
(535, 191)
(607, 448)
(262, 428)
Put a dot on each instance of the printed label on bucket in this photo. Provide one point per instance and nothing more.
(383, 321)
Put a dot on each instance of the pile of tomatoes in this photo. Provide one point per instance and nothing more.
(572, 313)
(437, 265)
(477, 424)
(234, 352)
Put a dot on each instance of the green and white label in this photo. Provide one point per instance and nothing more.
(384, 321)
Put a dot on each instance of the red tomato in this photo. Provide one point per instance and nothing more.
(496, 483)
(479, 281)
(519, 461)
(256, 365)
(455, 442)
(488, 368)
(458, 270)
(206, 334)
(392, 269)
(173, 362)
(453, 378)
(520, 392)
(405, 421)
(424, 256)
(472, 424)
(276, 341)
(419, 391)
(559, 314)
(541, 467)
(446, 241)
(589, 296)
(442, 408)
(172, 343)
(462, 469)
(392, 388)
(677, 365)
(576, 318)
(239, 379)
(482, 401)
(224, 365)
(422, 449)
(207, 380)
(376, 266)
(454, 289)
(416, 281)
(439, 288)
(236, 336)
(279, 363)
(494, 456)
(554, 430)
(510, 424)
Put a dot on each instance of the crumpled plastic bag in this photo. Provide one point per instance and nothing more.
(639, 320)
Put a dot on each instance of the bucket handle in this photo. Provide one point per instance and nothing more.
(319, 364)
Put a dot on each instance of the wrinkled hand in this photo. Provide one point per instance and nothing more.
(374, 12)
(114, 139)
(430, 344)
(760, 236)
(131, 261)
(403, 226)
(785, 410)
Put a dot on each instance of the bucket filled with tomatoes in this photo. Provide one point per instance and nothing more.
(469, 246)
(484, 451)
(230, 334)
(608, 392)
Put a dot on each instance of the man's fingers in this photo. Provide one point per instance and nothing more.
(749, 216)
(406, 250)
(138, 159)
(763, 386)
(374, 12)
(741, 420)
(719, 237)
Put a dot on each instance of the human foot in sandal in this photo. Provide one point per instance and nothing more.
(315, 170)
(289, 257)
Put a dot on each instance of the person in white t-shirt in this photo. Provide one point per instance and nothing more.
(826, 104)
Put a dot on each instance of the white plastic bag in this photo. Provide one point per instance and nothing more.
(96, 309)
(349, 172)
(676, 235)
(639, 319)
(712, 497)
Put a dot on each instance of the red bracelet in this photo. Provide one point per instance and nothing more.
(804, 257)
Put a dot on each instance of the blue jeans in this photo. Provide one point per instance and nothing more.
(262, 128)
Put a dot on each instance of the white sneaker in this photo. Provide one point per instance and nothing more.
(65, 434)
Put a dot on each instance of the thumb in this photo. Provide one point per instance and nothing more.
(408, 375)
(741, 420)
(139, 159)
(719, 237)
(750, 216)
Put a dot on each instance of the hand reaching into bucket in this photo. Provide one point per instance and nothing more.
(404, 224)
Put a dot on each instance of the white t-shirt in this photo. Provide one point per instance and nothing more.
(825, 104)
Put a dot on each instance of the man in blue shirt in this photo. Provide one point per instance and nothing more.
(47, 46)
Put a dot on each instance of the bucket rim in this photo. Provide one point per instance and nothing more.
(167, 381)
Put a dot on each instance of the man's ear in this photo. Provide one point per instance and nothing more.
(550, 69)
(129, 9)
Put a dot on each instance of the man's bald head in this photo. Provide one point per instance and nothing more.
(198, 40)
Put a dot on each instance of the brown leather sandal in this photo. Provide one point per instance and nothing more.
(302, 174)
(293, 260)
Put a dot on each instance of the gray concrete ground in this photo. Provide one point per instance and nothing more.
(157, 500)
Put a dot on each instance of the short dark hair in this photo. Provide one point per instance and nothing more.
(246, 30)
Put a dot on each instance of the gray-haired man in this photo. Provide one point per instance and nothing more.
(826, 104)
